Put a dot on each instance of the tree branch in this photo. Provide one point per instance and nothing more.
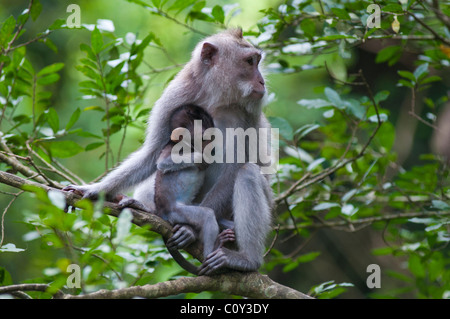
(140, 218)
(367, 220)
(253, 285)
(439, 14)
(431, 30)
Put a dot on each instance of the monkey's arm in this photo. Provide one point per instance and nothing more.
(187, 161)
(136, 168)
(219, 197)
(139, 165)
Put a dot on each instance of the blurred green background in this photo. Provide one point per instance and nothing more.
(345, 255)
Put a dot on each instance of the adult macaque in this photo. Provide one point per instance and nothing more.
(223, 78)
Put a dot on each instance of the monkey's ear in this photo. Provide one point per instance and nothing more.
(239, 34)
(209, 51)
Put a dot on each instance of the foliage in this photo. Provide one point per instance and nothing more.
(334, 173)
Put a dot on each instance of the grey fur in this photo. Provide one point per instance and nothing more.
(236, 192)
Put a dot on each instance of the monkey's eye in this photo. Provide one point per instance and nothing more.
(250, 60)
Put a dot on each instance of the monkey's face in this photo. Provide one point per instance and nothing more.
(251, 82)
(231, 68)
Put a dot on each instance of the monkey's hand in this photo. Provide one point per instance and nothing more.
(226, 236)
(182, 237)
(85, 191)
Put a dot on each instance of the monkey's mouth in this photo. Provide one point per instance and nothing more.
(258, 94)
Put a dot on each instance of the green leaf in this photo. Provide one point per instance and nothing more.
(23, 18)
(314, 103)
(49, 79)
(342, 50)
(341, 13)
(57, 198)
(53, 119)
(35, 10)
(349, 210)
(290, 266)
(181, 5)
(90, 54)
(94, 108)
(195, 15)
(123, 226)
(5, 277)
(381, 96)
(421, 70)
(325, 206)
(430, 79)
(349, 195)
(333, 97)
(7, 29)
(285, 128)
(64, 149)
(392, 7)
(391, 53)
(89, 72)
(407, 74)
(309, 27)
(383, 251)
(374, 118)
(57, 24)
(403, 82)
(438, 204)
(305, 130)
(96, 41)
(90, 85)
(218, 14)
(308, 257)
(49, 43)
(51, 69)
(93, 146)
(73, 119)
(416, 267)
(354, 107)
(10, 248)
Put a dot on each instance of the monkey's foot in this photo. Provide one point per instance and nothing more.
(182, 237)
(214, 263)
(125, 201)
(226, 236)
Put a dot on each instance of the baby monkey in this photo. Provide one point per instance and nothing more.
(179, 178)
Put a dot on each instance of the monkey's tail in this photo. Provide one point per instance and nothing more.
(186, 265)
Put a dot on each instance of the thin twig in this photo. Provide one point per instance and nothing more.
(4, 213)
(61, 170)
(277, 229)
(368, 220)
(413, 113)
(108, 263)
(431, 30)
(296, 251)
(445, 19)
(169, 17)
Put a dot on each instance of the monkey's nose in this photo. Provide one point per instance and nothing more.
(262, 82)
